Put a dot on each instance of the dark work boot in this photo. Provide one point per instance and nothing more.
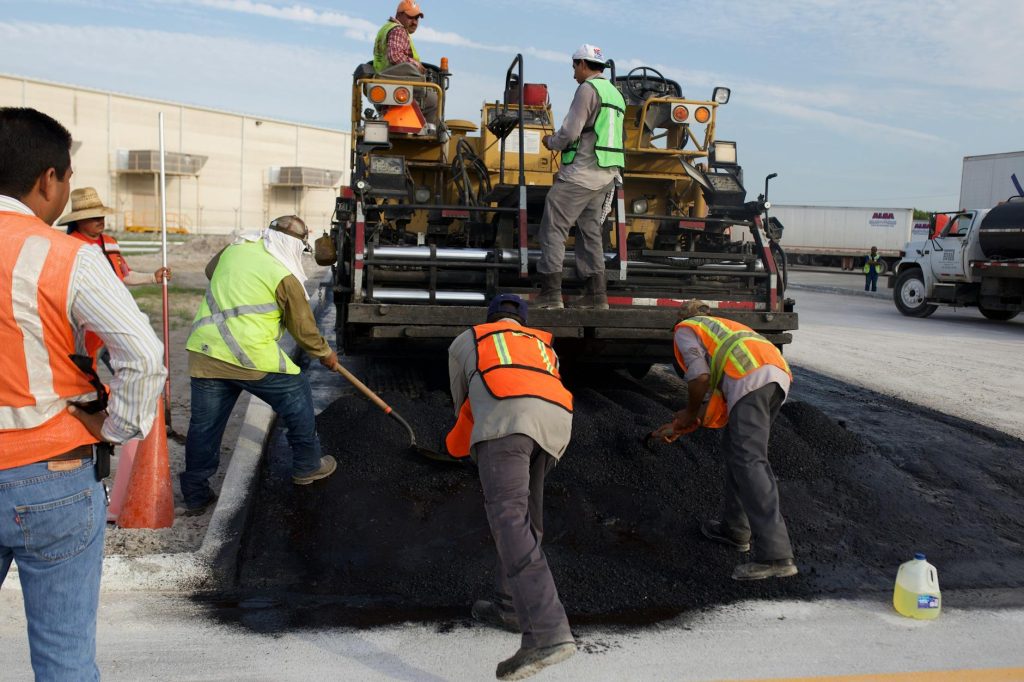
(595, 294)
(530, 661)
(778, 568)
(715, 530)
(550, 291)
(491, 614)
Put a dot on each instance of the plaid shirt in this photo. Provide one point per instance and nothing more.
(399, 51)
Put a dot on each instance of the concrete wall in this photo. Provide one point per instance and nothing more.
(230, 192)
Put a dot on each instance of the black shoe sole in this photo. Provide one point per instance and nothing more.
(723, 540)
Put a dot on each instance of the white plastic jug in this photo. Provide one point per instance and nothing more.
(916, 594)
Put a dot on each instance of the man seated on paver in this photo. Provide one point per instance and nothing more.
(256, 288)
(395, 55)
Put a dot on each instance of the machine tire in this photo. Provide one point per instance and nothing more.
(908, 294)
(998, 315)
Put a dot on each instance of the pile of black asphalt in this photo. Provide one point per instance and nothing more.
(395, 537)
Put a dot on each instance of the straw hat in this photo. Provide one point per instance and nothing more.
(85, 203)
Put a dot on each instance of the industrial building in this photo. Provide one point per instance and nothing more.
(224, 171)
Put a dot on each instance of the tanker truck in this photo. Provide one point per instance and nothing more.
(976, 259)
(442, 216)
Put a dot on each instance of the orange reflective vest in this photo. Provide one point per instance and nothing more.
(513, 361)
(112, 250)
(736, 350)
(37, 376)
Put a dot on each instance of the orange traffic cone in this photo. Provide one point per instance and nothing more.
(150, 503)
(125, 459)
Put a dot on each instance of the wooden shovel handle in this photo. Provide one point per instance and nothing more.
(374, 398)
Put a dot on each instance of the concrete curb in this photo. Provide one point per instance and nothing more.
(840, 290)
(214, 563)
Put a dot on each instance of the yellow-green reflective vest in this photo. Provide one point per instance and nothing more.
(380, 46)
(869, 261)
(239, 321)
(607, 127)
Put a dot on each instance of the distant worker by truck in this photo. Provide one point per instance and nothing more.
(872, 267)
(591, 143)
(515, 418)
(736, 380)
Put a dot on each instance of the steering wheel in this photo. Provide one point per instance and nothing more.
(640, 81)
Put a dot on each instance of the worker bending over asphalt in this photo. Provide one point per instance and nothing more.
(52, 503)
(590, 140)
(514, 419)
(395, 55)
(737, 379)
(256, 288)
(87, 222)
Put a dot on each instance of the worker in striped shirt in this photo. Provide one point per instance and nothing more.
(395, 55)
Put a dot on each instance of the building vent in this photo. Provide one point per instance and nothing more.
(302, 176)
(148, 161)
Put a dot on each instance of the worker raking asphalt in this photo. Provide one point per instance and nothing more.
(397, 537)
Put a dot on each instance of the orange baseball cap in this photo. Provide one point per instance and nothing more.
(410, 8)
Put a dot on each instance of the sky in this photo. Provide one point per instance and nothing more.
(852, 103)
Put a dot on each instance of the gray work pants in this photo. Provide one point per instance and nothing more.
(751, 503)
(425, 97)
(512, 471)
(569, 204)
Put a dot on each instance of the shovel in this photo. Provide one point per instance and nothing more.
(376, 400)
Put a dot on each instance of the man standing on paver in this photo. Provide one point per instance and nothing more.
(872, 266)
(256, 289)
(52, 501)
(736, 379)
(514, 419)
(590, 140)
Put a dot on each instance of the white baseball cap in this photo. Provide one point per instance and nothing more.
(589, 53)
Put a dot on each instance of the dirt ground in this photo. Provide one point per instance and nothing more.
(187, 261)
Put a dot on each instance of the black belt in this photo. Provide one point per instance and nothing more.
(81, 452)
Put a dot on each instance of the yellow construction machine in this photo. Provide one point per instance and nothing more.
(442, 215)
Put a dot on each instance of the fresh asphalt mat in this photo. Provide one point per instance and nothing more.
(865, 482)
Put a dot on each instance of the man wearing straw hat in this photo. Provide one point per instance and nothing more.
(87, 222)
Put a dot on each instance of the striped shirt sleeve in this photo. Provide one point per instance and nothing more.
(100, 303)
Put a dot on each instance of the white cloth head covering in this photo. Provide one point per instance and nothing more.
(285, 248)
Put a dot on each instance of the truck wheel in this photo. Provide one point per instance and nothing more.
(908, 294)
(882, 267)
(998, 315)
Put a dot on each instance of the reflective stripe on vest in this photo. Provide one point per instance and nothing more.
(735, 350)
(37, 375)
(608, 147)
(239, 320)
(380, 46)
(111, 249)
(513, 361)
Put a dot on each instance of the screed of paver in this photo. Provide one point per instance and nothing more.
(394, 537)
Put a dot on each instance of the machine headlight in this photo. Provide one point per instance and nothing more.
(422, 195)
(721, 95)
(723, 153)
(639, 206)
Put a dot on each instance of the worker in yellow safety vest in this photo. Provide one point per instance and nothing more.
(591, 142)
(873, 265)
(256, 291)
(515, 420)
(395, 54)
(736, 380)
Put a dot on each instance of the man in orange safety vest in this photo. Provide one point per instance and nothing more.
(514, 419)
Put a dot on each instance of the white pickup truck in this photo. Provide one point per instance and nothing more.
(977, 259)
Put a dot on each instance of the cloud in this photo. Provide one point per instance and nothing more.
(361, 29)
(211, 71)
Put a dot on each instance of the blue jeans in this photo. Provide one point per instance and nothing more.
(871, 281)
(51, 523)
(212, 401)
